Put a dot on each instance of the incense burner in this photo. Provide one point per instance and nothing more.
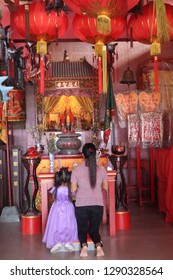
(68, 143)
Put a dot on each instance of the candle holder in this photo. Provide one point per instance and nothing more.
(118, 149)
(30, 162)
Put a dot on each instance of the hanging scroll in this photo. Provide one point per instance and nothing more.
(151, 128)
(133, 129)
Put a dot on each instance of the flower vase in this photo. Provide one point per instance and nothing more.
(38, 147)
(51, 159)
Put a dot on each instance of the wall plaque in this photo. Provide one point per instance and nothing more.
(67, 84)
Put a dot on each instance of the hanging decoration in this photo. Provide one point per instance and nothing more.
(110, 110)
(3, 108)
(162, 22)
(133, 128)
(16, 106)
(145, 27)
(102, 10)
(43, 28)
(153, 26)
(127, 103)
(4, 90)
(85, 29)
(149, 102)
(152, 128)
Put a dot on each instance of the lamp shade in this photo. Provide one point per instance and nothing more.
(144, 26)
(41, 25)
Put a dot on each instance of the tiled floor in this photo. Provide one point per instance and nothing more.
(149, 238)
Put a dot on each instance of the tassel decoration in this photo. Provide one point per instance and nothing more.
(117, 72)
(56, 35)
(100, 75)
(103, 24)
(156, 77)
(155, 48)
(42, 74)
(27, 22)
(138, 156)
(98, 48)
(162, 23)
(104, 68)
(41, 47)
(131, 36)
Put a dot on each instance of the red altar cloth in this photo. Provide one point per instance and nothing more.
(164, 172)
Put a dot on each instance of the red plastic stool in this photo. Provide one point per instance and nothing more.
(122, 220)
(30, 224)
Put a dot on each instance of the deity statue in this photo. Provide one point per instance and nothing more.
(67, 120)
(86, 120)
(62, 121)
(58, 121)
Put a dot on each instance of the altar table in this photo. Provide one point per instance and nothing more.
(46, 182)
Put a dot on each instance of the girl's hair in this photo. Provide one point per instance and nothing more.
(89, 152)
(62, 177)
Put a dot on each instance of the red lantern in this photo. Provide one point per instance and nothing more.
(42, 27)
(145, 30)
(85, 29)
(94, 8)
(144, 26)
(102, 10)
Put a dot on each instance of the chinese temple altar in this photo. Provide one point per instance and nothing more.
(72, 88)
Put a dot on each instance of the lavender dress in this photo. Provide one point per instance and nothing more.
(61, 225)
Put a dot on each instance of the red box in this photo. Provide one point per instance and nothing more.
(31, 224)
(122, 220)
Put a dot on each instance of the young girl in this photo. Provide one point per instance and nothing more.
(61, 228)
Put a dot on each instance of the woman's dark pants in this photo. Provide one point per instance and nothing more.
(89, 219)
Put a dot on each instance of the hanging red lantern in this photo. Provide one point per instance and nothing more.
(102, 10)
(41, 25)
(42, 28)
(85, 29)
(147, 29)
(145, 26)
